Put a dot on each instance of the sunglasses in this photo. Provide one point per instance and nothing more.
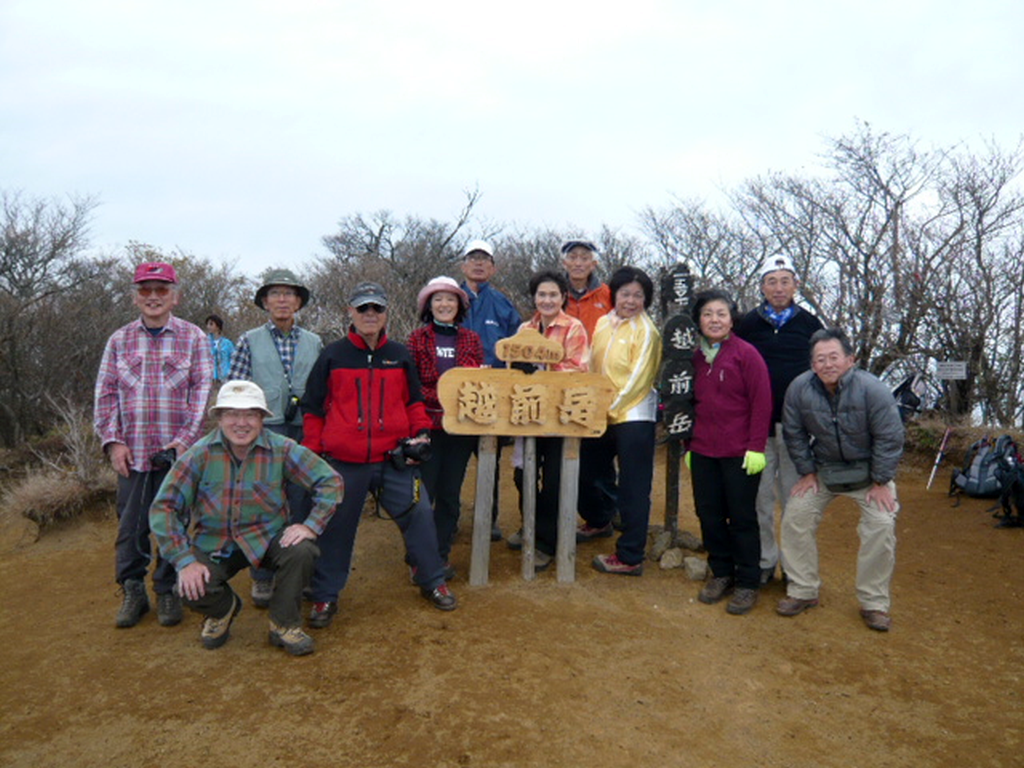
(367, 307)
(157, 290)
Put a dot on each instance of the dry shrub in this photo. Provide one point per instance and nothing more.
(47, 496)
(73, 476)
(924, 437)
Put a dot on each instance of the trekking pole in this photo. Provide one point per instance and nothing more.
(938, 459)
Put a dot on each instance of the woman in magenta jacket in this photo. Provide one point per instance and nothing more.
(733, 409)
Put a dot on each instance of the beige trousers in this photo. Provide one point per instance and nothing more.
(875, 560)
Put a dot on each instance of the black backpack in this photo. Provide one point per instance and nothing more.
(986, 468)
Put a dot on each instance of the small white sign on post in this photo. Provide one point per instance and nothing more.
(951, 369)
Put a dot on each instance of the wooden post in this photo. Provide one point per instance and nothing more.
(480, 558)
(529, 506)
(568, 494)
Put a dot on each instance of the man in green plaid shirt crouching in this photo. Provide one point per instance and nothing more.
(222, 508)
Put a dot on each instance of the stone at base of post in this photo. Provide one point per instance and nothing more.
(486, 463)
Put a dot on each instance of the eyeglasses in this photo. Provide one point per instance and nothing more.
(154, 290)
(367, 307)
(280, 293)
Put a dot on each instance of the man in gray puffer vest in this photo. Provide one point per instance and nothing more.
(845, 436)
(278, 356)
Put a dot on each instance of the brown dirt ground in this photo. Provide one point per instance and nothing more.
(608, 671)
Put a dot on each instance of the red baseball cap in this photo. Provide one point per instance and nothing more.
(155, 270)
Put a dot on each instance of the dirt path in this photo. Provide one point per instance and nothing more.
(609, 671)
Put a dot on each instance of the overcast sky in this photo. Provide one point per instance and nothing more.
(243, 131)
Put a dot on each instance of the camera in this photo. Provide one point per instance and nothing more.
(163, 459)
(406, 449)
(291, 408)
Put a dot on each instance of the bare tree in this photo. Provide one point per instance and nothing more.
(400, 255)
(41, 242)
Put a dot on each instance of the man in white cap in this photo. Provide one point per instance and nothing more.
(781, 330)
(151, 393)
(493, 317)
(278, 356)
(222, 508)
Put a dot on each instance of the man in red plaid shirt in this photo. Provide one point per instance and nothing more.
(151, 395)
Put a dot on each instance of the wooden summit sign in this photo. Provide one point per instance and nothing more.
(493, 402)
(502, 401)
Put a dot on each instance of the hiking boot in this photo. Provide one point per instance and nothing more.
(322, 614)
(743, 600)
(515, 541)
(586, 532)
(441, 597)
(612, 564)
(292, 639)
(135, 604)
(717, 588)
(880, 621)
(262, 591)
(793, 606)
(541, 561)
(495, 532)
(168, 609)
(217, 631)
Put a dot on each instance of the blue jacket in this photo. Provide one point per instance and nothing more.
(493, 317)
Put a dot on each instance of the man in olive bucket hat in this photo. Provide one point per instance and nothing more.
(278, 356)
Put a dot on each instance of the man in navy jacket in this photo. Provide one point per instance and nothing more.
(781, 331)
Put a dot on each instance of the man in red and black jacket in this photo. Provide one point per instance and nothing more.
(362, 404)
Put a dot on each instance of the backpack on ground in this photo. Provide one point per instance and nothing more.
(985, 469)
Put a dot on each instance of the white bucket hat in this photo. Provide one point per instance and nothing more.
(242, 395)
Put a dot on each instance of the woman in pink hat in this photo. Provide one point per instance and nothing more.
(440, 344)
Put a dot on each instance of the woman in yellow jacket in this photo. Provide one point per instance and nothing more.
(627, 349)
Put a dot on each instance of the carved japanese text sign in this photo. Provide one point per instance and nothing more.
(498, 401)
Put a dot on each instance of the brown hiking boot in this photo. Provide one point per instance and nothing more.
(880, 621)
(792, 606)
(217, 631)
(717, 588)
(262, 591)
(292, 639)
(168, 609)
(135, 604)
(743, 600)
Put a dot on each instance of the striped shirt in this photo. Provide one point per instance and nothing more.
(151, 389)
(237, 505)
(241, 360)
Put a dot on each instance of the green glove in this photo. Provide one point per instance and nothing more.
(754, 462)
(686, 460)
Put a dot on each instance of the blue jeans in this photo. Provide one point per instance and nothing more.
(632, 444)
(403, 496)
